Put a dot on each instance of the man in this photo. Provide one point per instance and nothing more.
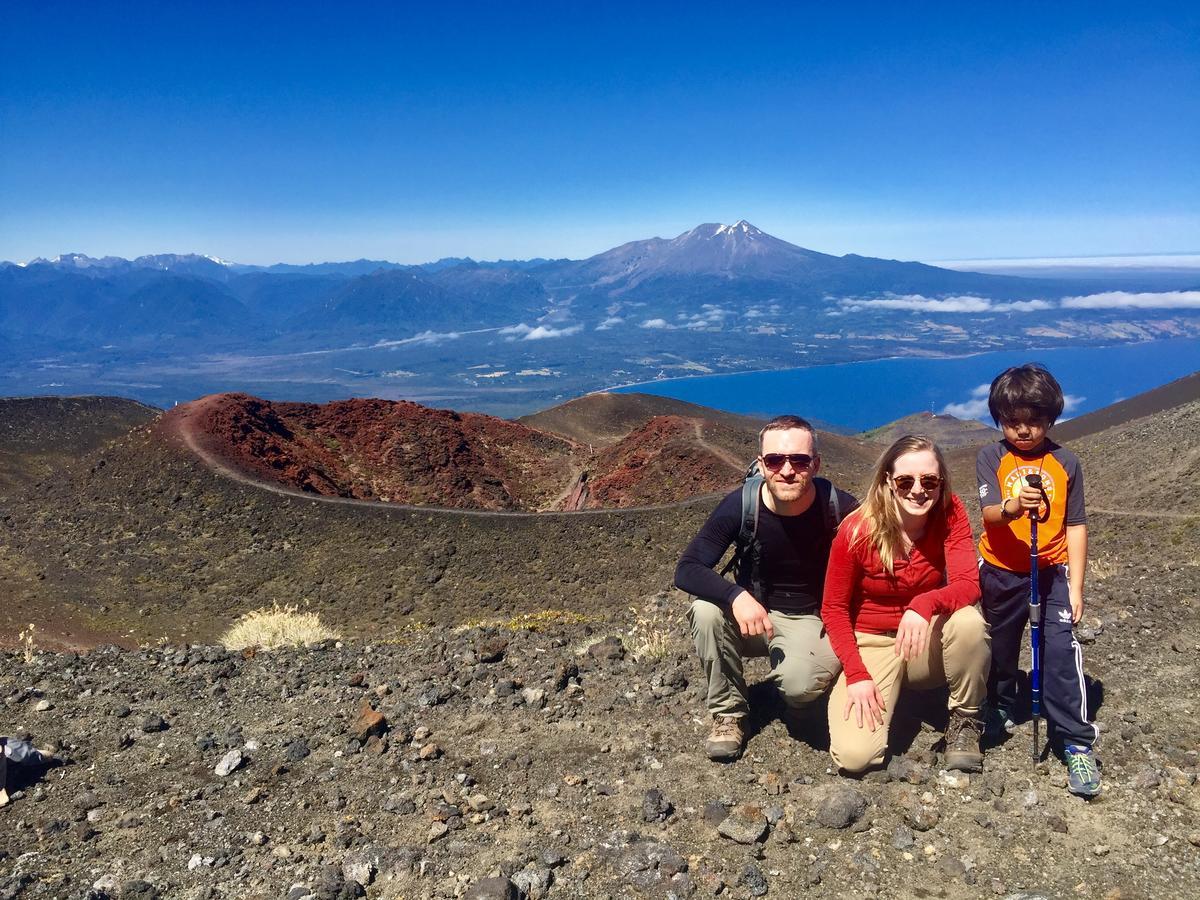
(772, 608)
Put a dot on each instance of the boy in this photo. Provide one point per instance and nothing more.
(1025, 401)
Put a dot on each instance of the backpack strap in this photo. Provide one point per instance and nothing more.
(831, 505)
(746, 550)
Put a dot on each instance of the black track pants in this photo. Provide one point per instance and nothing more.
(1006, 609)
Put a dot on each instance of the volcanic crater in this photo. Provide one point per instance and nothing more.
(404, 453)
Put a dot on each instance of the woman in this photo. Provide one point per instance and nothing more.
(900, 606)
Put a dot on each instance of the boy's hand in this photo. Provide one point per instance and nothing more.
(1076, 606)
(1030, 498)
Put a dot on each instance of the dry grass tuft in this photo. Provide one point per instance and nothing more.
(277, 626)
(651, 635)
(27, 639)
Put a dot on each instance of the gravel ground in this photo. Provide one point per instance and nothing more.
(493, 762)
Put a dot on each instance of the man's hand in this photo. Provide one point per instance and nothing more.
(751, 616)
(865, 700)
(912, 635)
(1076, 605)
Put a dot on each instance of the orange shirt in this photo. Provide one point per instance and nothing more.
(1001, 472)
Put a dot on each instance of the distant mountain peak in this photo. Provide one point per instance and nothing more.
(741, 226)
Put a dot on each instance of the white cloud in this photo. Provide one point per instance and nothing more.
(965, 303)
(975, 408)
(656, 323)
(425, 337)
(968, 303)
(542, 332)
(1157, 261)
(1127, 300)
(609, 323)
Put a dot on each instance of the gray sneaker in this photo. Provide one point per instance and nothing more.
(1083, 776)
(962, 743)
(726, 739)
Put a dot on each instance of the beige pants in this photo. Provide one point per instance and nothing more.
(803, 665)
(958, 654)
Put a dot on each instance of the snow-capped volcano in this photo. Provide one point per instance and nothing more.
(712, 250)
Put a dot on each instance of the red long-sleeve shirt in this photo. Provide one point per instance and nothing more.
(939, 577)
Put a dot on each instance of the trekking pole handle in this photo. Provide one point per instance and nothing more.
(1035, 481)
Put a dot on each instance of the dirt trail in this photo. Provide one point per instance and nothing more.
(719, 452)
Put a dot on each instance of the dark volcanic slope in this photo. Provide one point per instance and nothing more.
(147, 538)
(1182, 390)
(40, 436)
(148, 528)
(1146, 467)
(380, 450)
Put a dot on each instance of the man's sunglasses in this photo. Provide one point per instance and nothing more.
(904, 483)
(800, 461)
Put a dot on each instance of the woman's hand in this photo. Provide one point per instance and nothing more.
(866, 701)
(912, 635)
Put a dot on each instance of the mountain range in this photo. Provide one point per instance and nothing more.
(717, 298)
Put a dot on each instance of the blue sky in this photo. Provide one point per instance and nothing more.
(297, 132)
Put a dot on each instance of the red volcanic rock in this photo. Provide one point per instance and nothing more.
(401, 452)
(394, 451)
(668, 458)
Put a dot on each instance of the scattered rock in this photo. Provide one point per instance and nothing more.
(754, 880)
(656, 807)
(498, 888)
(370, 722)
(838, 805)
(611, 649)
(744, 824)
(229, 763)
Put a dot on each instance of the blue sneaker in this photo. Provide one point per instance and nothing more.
(997, 722)
(1083, 777)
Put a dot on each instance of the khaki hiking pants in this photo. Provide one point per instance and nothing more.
(959, 654)
(803, 665)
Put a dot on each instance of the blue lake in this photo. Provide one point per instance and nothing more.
(863, 395)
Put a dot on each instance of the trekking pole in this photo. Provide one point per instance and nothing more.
(1035, 618)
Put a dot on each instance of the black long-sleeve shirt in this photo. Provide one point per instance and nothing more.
(795, 551)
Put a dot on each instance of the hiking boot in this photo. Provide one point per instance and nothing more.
(1083, 776)
(962, 743)
(725, 741)
(997, 722)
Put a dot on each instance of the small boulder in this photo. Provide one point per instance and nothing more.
(370, 722)
(745, 824)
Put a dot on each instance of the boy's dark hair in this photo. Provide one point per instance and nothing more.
(1030, 388)
(787, 423)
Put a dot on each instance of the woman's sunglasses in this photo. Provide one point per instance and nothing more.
(904, 483)
(800, 461)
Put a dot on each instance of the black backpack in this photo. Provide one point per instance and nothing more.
(747, 553)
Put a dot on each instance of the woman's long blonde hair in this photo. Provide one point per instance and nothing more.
(878, 519)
